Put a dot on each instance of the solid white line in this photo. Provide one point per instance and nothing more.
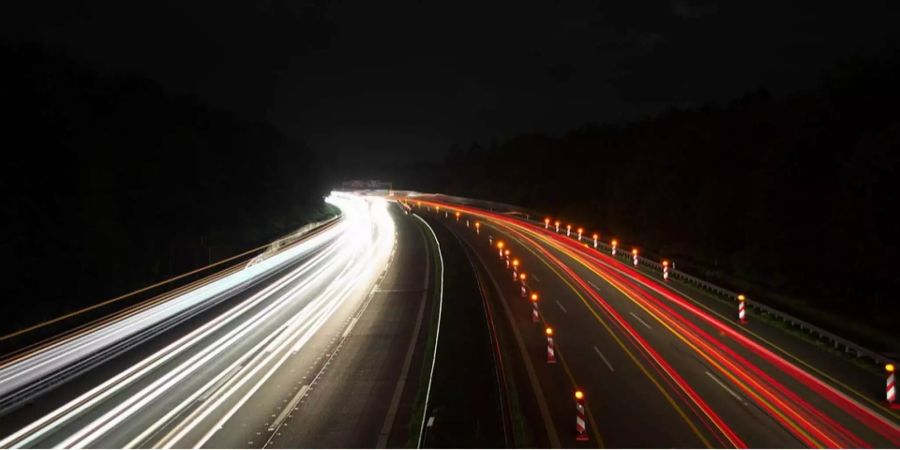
(436, 335)
(290, 407)
(733, 394)
(604, 359)
(639, 319)
(563, 308)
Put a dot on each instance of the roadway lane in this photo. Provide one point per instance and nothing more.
(359, 390)
(621, 401)
(723, 389)
(832, 364)
(757, 380)
(69, 391)
(180, 395)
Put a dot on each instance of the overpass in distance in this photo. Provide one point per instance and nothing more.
(400, 325)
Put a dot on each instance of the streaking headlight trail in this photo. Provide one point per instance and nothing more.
(181, 395)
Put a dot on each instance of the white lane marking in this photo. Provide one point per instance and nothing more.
(436, 334)
(604, 359)
(430, 422)
(733, 394)
(535, 277)
(596, 288)
(349, 327)
(290, 407)
(639, 319)
(563, 308)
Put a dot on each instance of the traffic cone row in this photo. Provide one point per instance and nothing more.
(503, 253)
(580, 422)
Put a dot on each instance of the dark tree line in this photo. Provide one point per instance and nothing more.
(794, 197)
(110, 183)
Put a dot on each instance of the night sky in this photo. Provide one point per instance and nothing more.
(411, 78)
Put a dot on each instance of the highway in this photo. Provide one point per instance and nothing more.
(657, 368)
(334, 341)
(232, 362)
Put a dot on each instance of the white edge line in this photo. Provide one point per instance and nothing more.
(436, 335)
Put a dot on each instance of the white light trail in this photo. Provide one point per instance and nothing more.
(261, 333)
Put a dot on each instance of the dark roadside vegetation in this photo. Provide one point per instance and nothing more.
(110, 184)
(791, 199)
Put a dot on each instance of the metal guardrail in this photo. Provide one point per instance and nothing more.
(289, 239)
(832, 339)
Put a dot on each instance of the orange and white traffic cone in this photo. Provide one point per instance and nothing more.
(666, 270)
(595, 239)
(580, 422)
(551, 351)
(535, 315)
(524, 291)
(742, 309)
(634, 256)
(890, 388)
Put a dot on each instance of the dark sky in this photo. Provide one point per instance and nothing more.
(409, 78)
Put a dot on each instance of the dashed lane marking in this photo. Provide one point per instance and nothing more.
(604, 359)
(640, 320)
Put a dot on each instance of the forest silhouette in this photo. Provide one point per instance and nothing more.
(110, 183)
(791, 199)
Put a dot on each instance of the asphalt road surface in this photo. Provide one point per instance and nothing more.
(657, 368)
(326, 335)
